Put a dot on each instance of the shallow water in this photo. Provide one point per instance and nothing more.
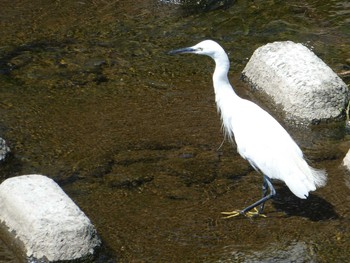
(90, 98)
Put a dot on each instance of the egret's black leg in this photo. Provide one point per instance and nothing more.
(267, 184)
(246, 211)
(264, 191)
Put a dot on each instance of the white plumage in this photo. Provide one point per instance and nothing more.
(260, 139)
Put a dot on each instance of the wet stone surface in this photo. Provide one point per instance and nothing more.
(90, 98)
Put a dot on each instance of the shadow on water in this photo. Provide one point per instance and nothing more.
(10, 167)
(314, 208)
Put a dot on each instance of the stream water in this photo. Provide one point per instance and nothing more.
(90, 98)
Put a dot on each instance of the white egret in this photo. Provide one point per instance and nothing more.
(260, 139)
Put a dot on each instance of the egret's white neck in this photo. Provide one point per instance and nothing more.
(222, 87)
(225, 97)
(220, 78)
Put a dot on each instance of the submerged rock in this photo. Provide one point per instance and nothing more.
(4, 149)
(46, 222)
(194, 6)
(308, 90)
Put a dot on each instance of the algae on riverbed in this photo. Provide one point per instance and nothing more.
(90, 98)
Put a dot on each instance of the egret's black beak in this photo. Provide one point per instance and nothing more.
(182, 50)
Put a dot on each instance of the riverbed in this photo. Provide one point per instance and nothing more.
(90, 98)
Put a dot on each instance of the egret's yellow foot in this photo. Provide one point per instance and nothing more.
(235, 213)
(231, 214)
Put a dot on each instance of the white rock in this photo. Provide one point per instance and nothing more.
(346, 160)
(45, 219)
(296, 78)
(4, 149)
(346, 163)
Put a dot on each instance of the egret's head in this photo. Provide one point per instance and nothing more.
(206, 47)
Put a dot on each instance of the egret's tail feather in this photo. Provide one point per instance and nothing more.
(304, 178)
(319, 177)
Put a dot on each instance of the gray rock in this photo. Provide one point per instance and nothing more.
(4, 149)
(283, 252)
(45, 220)
(296, 78)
